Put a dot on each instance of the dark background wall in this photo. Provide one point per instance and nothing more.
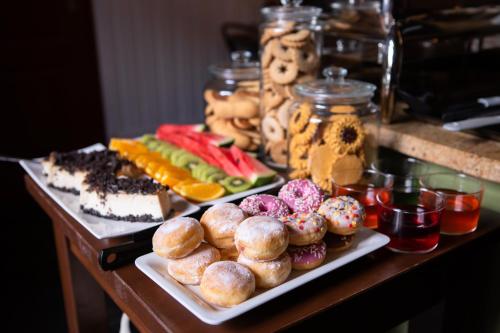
(154, 55)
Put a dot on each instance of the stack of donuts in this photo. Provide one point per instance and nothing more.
(259, 242)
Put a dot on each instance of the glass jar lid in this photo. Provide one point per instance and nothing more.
(291, 10)
(240, 68)
(335, 88)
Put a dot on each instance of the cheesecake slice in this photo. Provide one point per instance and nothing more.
(66, 171)
(113, 195)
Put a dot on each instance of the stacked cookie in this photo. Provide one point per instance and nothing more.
(289, 56)
(327, 150)
(235, 115)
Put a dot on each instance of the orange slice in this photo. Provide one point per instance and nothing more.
(202, 191)
(180, 185)
(152, 167)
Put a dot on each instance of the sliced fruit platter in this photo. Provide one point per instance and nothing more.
(200, 166)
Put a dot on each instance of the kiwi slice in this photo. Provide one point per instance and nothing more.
(209, 171)
(165, 150)
(153, 144)
(188, 161)
(198, 169)
(176, 154)
(235, 184)
(146, 138)
(216, 177)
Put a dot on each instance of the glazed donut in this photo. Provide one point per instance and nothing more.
(343, 214)
(264, 205)
(305, 228)
(189, 270)
(337, 243)
(227, 283)
(177, 238)
(261, 238)
(307, 257)
(301, 195)
(219, 223)
(269, 274)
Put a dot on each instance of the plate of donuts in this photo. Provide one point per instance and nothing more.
(238, 257)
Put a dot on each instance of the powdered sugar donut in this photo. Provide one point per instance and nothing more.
(177, 237)
(269, 274)
(189, 270)
(343, 214)
(305, 228)
(264, 205)
(261, 238)
(220, 222)
(227, 283)
(301, 195)
(307, 257)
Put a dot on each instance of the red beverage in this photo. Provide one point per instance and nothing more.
(365, 194)
(411, 228)
(461, 212)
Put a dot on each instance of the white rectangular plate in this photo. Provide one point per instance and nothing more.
(155, 268)
(97, 226)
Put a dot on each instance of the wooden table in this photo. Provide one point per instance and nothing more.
(385, 287)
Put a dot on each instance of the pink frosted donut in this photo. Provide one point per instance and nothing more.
(264, 205)
(301, 195)
(307, 257)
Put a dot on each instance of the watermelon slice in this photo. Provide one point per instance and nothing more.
(224, 157)
(195, 131)
(212, 139)
(251, 168)
(190, 145)
(182, 128)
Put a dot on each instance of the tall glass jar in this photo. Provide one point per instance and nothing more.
(333, 130)
(232, 97)
(290, 46)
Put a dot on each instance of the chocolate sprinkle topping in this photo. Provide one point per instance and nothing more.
(104, 181)
(79, 161)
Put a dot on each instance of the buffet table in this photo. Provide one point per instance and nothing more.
(380, 278)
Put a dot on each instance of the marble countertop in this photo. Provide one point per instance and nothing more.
(456, 150)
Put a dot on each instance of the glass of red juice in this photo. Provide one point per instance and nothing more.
(463, 195)
(365, 191)
(410, 217)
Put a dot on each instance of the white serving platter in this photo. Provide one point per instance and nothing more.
(155, 267)
(97, 226)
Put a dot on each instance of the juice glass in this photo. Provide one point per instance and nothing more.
(463, 196)
(410, 217)
(365, 190)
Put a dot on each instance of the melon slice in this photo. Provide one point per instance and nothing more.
(196, 132)
(182, 128)
(251, 168)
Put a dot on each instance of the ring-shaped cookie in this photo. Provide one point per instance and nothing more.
(283, 72)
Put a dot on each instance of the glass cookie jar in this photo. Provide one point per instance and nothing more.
(232, 97)
(333, 130)
(290, 45)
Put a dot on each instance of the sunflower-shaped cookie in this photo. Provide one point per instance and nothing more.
(345, 134)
